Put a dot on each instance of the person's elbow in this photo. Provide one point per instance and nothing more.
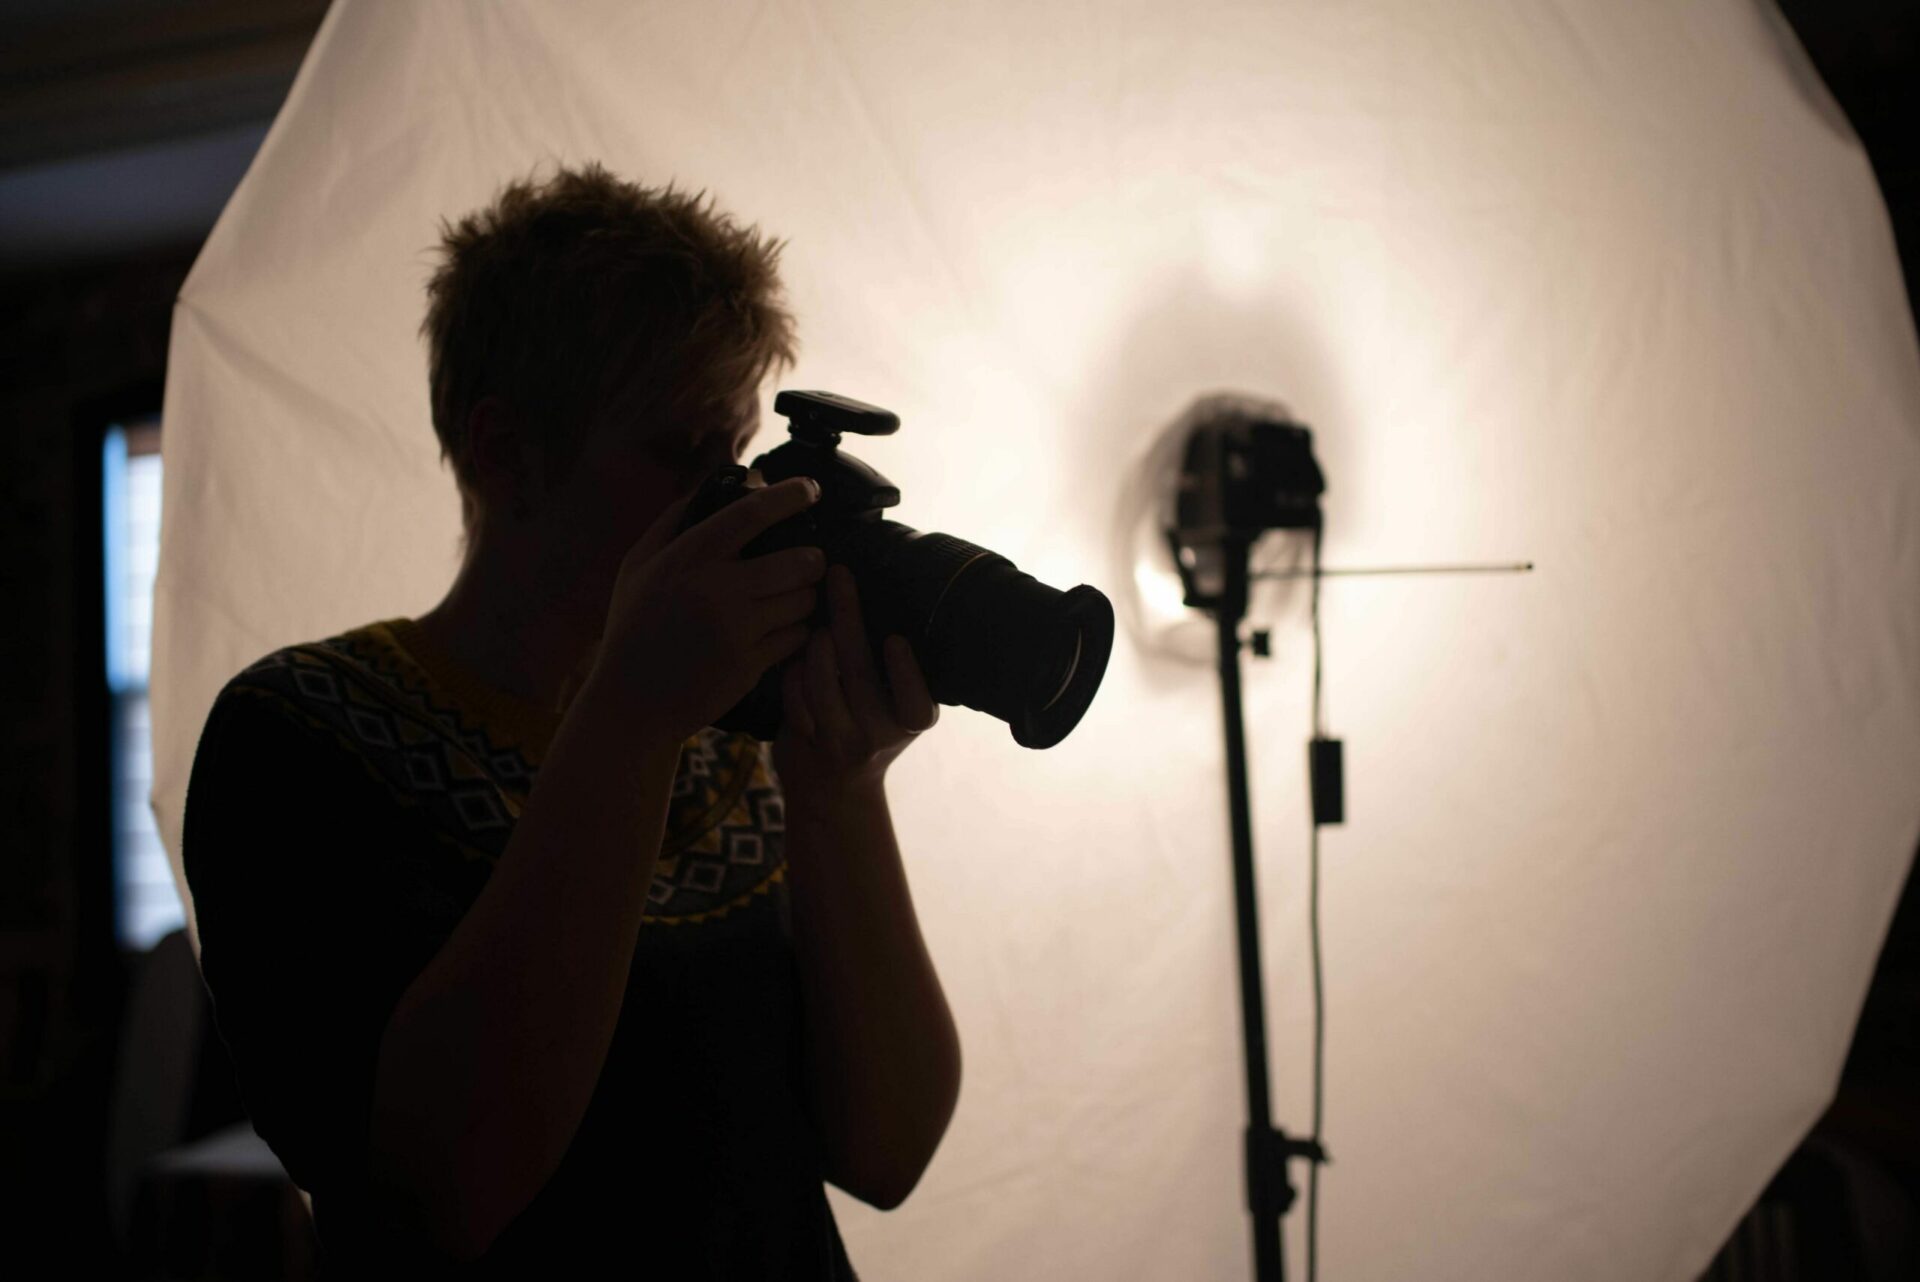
(889, 1172)
(883, 1190)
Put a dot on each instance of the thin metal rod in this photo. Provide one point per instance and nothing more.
(1517, 567)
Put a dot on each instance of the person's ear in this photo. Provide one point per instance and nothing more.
(504, 459)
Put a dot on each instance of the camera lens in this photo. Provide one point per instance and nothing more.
(988, 636)
(1073, 665)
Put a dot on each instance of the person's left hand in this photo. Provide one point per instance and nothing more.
(843, 725)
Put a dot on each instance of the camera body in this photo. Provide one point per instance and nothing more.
(851, 494)
(984, 634)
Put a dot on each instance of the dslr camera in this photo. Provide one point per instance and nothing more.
(986, 635)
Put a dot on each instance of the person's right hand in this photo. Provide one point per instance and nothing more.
(690, 626)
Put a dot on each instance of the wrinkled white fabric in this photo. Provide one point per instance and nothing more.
(1607, 286)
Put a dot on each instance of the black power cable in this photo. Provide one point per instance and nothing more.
(1313, 937)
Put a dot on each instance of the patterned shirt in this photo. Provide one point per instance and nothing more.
(348, 801)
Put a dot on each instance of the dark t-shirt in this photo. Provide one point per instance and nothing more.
(348, 801)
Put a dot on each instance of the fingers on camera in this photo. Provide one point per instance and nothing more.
(795, 494)
(737, 524)
(792, 607)
(780, 572)
(784, 644)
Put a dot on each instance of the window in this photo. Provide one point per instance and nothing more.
(146, 902)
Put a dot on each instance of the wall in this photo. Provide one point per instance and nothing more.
(78, 348)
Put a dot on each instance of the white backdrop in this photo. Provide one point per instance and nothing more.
(1606, 285)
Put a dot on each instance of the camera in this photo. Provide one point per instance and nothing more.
(986, 635)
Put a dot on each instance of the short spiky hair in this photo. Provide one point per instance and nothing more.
(586, 299)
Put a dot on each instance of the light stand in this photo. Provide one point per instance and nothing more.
(1270, 1192)
(1249, 469)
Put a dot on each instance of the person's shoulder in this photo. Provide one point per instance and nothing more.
(276, 742)
(301, 687)
(305, 671)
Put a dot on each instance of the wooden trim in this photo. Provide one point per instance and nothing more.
(143, 436)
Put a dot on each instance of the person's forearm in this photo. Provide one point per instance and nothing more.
(882, 1051)
(493, 1053)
